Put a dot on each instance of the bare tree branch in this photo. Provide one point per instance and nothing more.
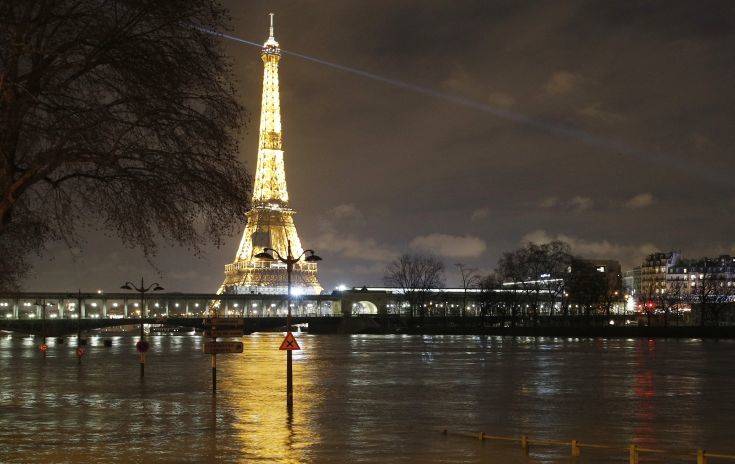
(115, 113)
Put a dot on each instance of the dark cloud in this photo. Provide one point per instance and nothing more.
(372, 167)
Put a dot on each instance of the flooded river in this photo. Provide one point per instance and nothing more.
(362, 398)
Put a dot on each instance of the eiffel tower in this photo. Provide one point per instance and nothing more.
(270, 221)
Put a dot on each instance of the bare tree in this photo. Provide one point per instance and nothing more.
(415, 275)
(495, 300)
(470, 279)
(587, 286)
(669, 298)
(647, 299)
(556, 260)
(711, 293)
(119, 114)
(536, 270)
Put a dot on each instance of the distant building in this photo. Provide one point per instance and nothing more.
(670, 273)
(687, 275)
(632, 281)
(654, 270)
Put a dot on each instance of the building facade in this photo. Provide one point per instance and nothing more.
(670, 274)
(654, 271)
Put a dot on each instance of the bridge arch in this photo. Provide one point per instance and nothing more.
(364, 307)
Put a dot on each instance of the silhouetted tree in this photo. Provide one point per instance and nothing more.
(669, 298)
(470, 279)
(537, 271)
(494, 300)
(119, 114)
(415, 275)
(647, 299)
(586, 285)
(711, 293)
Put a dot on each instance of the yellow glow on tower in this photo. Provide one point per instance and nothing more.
(270, 221)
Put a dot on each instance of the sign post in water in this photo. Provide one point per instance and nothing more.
(221, 327)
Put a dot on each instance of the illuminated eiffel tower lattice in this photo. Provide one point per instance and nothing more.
(270, 221)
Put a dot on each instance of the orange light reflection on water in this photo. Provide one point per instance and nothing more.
(254, 389)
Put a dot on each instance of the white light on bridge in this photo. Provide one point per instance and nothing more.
(9, 315)
(298, 291)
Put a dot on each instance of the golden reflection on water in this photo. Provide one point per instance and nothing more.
(255, 388)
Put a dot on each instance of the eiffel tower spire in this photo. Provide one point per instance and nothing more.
(270, 221)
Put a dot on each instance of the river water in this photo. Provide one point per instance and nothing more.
(363, 398)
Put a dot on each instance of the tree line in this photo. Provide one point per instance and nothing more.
(531, 281)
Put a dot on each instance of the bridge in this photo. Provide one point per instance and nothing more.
(59, 313)
(344, 310)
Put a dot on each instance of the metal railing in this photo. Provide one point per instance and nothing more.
(575, 447)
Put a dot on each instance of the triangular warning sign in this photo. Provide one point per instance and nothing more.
(289, 343)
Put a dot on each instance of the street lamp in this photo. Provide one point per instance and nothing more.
(142, 345)
(269, 254)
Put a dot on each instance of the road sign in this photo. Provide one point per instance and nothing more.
(223, 322)
(226, 332)
(289, 343)
(222, 347)
(43, 347)
(80, 351)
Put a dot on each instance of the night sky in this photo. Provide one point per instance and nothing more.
(608, 124)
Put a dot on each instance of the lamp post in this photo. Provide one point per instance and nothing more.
(142, 345)
(309, 256)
